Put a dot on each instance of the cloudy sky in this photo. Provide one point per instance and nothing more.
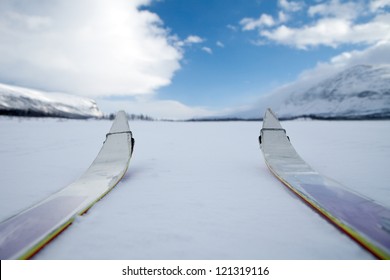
(185, 58)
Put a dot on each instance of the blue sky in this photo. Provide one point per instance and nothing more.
(237, 69)
(186, 58)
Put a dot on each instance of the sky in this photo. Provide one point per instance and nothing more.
(183, 59)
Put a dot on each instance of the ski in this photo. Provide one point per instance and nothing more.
(363, 219)
(24, 234)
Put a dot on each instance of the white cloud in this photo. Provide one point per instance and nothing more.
(330, 23)
(283, 17)
(193, 39)
(334, 8)
(232, 27)
(86, 47)
(379, 4)
(207, 49)
(376, 54)
(220, 44)
(332, 32)
(251, 23)
(30, 22)
(328, 32)
(187, 42)
(290, 6)
(266, 21)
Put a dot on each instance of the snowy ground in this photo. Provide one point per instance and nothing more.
(193, 190)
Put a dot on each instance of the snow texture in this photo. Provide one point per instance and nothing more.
(194, 190)
(362, 91)
(28, 102)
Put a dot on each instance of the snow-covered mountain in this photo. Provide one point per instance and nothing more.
(362, 91)
(28, 102)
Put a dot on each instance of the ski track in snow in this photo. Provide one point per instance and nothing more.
(193, 190)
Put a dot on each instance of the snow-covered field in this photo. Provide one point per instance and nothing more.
(193, 190)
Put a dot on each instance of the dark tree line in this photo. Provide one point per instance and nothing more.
(133, 117)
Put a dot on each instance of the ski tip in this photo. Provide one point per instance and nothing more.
(121, 114)
(268, 111)
(270, 114)
(120, 123)
(270, 120)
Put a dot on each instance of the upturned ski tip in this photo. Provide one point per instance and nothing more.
(270, 120)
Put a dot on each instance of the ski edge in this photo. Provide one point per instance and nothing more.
(355, 235)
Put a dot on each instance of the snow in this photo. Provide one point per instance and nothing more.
(194, 190)
(13, 98)
(358, 91)
(361, 91)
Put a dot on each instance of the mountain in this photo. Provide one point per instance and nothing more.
(19, 101)
(359, 92)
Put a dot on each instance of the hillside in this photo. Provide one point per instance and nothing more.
(359, 92)
(19, 101)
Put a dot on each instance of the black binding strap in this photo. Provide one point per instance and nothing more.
(120, 132)
(274, 129)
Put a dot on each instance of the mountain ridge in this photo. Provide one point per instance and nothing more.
(358, 92)
(20, 101)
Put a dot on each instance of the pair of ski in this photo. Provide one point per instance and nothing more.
(363, 219)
